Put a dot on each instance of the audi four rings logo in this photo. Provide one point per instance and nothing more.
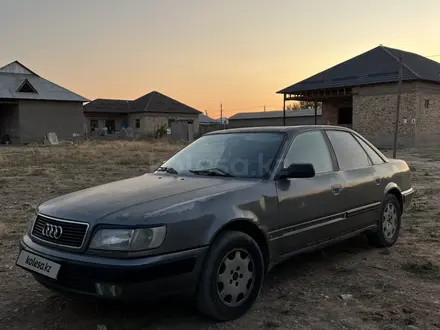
(52, 231)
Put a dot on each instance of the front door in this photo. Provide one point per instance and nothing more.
(310, 209)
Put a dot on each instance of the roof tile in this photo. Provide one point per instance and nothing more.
(376, 66)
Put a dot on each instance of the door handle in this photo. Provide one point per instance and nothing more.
(378, 180)
(336, 189)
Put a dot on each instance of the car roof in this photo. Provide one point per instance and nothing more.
(277, 129)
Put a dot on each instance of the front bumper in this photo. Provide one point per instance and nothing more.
(140, 278)
(408, 195)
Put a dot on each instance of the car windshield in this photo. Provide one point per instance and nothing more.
(243, 155)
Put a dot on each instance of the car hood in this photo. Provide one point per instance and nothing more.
(97, 202)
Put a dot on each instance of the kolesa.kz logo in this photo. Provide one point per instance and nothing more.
(38, 264)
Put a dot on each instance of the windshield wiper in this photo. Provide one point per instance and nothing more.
(215, 171)
(167, 169)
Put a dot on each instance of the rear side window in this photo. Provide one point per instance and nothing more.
(348, 151)
(375, 158)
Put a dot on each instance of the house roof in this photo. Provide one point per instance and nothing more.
(275, 114)
(108, 105)
(15, 75)
(151, 102)
(376, 66)
(158, 102)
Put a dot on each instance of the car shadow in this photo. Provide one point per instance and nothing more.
(182, 312)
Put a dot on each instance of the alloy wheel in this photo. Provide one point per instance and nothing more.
(235, 277)
(389, 222)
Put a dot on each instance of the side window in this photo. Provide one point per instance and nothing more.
(375, 158)
(310, 147)
(348, 151)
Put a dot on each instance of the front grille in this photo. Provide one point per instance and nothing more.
(72, 235)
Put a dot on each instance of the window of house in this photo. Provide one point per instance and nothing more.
(426, 103)
(349, 153)
(137, 123)
(26, 87)
(310, 147)
(93, 125)
(111, 125)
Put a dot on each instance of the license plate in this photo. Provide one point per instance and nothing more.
(38, 264)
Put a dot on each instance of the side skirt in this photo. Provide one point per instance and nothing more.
(321, 245)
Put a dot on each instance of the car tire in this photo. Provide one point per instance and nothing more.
(388, 225)
(232, 277)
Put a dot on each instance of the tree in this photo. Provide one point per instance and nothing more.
(297, 105)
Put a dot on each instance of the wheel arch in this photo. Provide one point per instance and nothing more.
(250, 228)
(393, 189)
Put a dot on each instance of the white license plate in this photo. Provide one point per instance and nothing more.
(38, 264)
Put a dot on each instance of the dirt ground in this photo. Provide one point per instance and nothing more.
(387, 289)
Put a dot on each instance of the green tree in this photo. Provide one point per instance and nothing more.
(297, 105)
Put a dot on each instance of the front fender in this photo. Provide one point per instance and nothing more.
(390, 186)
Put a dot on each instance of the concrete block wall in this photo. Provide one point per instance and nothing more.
(151, 122)
(374, 113)
(428, 116)
(38, 118)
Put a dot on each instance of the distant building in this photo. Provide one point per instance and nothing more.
(273, 118)
(208, 124)
(148, 115)
(206, 120)
(361, 93)
(31, 106)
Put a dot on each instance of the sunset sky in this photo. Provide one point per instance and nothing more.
(201, 52)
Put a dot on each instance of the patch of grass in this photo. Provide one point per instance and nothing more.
(424, 270)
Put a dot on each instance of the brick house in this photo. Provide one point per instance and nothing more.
(146, 115)
(362, 93)
(31, 106)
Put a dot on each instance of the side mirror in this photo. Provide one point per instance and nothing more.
(297, 170)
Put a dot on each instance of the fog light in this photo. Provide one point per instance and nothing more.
(108, 290)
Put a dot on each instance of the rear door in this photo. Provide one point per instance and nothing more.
(361, 199)
(380, 168)
(310, 209)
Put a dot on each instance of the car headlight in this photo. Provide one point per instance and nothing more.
(128, 239)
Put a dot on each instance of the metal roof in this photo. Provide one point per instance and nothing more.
(204, 119)
(275, 114)
(151, 102)
(376, 66)
(14, 75)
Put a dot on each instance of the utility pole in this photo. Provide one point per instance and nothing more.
(316, 113)
(399, 95)
(284, 109)
(221, 115)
